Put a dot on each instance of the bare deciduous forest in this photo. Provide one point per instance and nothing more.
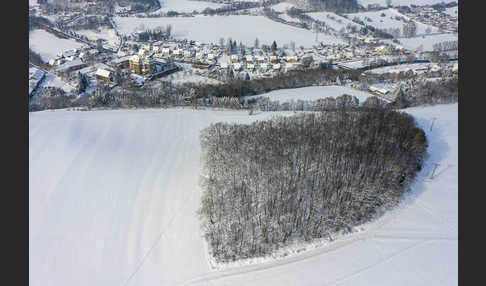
(302, 177)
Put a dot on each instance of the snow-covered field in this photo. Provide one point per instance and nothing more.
(282, 7)
(337, 23)
(55, 81)
(186, 6)
(106, 34)
(181, 77)
(365, 3)
(453, 11)
(313, 93)
(427, 42)
(113, 198)
(389, 20)
(48, 45)
(240, 28)
(287, 18)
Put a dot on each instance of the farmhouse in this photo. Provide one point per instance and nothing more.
(378, 89)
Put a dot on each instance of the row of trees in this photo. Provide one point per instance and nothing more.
(270, 183)
(445, 46)
(322, 104)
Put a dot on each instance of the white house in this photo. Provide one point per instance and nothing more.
(236, 66)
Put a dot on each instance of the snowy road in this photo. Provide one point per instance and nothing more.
(113, 197)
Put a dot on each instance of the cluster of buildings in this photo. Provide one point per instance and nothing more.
(433, 17)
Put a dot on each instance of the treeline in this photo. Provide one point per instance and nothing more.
(429, 92)
(271, 183)
(203, 94)
(322, 104)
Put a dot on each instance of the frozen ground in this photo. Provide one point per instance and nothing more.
(243, 28)
(106, 34)
(427, 42)
(337, 23)
(113, 198)
(313, 93)
(282, 7)
(48, 45)
(453, 11)
(179, 78)
(186, 6)
(287, 18)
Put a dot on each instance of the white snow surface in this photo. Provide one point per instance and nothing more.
(242, 28)
(48, 45)
(109, 35)
(427, 42)
(453, 11)
(282, 6)
(313, 93)
(333, 23)
(186, 6)
(113, 198)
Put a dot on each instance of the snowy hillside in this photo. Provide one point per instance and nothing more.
(113, 197)
(386, 19)
(426, 42)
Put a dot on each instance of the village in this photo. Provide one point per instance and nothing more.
(144, 59)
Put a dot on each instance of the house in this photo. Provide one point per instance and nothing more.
(273, 59)
(187, 54)
(455, 68)
(260, 59)
(249, 58)
(250, 67)
(291, 59)
(380, 49)
(234, 58)
(177, 53)
(166, 51)
(69, 53)
(71, 66)
(237, 66)
(122, 62)
(104, 75)
(276, 67)
(378, 89)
